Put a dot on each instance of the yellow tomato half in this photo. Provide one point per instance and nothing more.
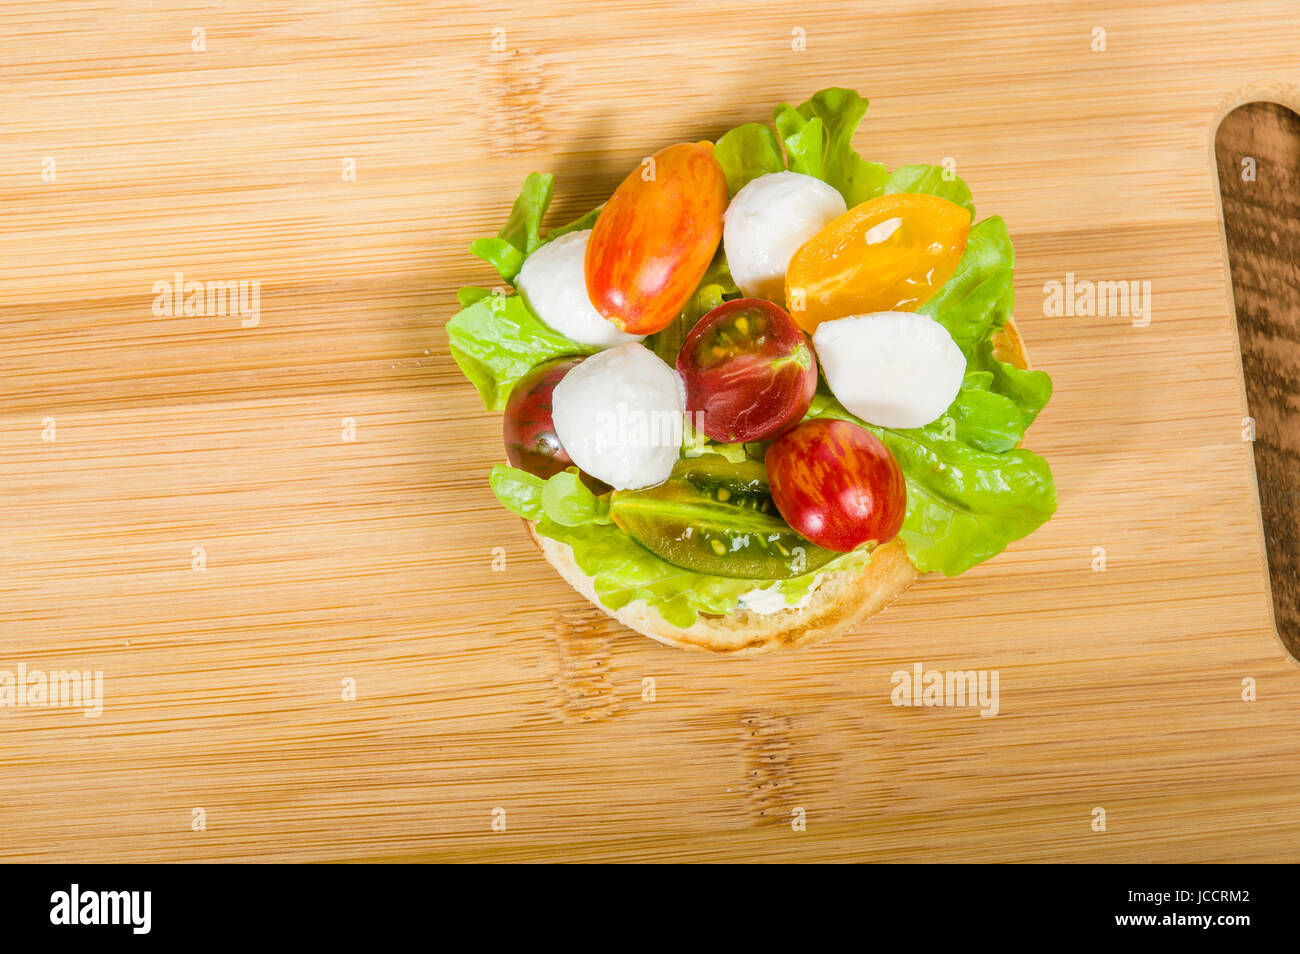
(890, 253)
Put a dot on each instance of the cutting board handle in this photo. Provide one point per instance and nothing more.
(1257, 154)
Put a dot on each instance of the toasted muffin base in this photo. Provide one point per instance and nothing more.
(841, 599)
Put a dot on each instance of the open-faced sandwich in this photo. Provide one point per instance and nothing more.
(763, 388)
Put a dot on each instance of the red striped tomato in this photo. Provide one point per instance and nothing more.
(655, 238)
(527, 426)
(837, 484)
(749, 371)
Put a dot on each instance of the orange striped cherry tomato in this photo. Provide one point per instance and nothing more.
(655, 238)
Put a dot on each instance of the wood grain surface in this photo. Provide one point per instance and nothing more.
(1258, 150)
(238, 524)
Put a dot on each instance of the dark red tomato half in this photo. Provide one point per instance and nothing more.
(837, 484)
(528, 430)
(749, 371)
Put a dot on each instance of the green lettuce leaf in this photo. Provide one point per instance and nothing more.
(570, 503)
(719, 273)
(841, 111)
(930, 180)
(470, 294)
(818, 138)
(621, 569)
(964, 505)
(977, 299)
(496, 340)
(522, 233)
(519, 491)
(980, 417)
(1030, 390)
(587, 221)
(805, 141)
(697, 444)
(747, 152)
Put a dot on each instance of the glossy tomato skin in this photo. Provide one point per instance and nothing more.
(837, 484)
(890, 253)
(717, 517)
(749, 371)
(655, 238)
(527, 428)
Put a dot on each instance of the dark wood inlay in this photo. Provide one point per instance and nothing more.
(1258, 152)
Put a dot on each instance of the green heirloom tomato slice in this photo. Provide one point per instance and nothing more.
(717, 517)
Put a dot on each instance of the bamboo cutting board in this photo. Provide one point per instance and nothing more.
(321, 639)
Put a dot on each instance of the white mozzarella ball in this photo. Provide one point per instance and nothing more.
(553, 284)
(767, 221)
(618, 414)
(891, 368)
